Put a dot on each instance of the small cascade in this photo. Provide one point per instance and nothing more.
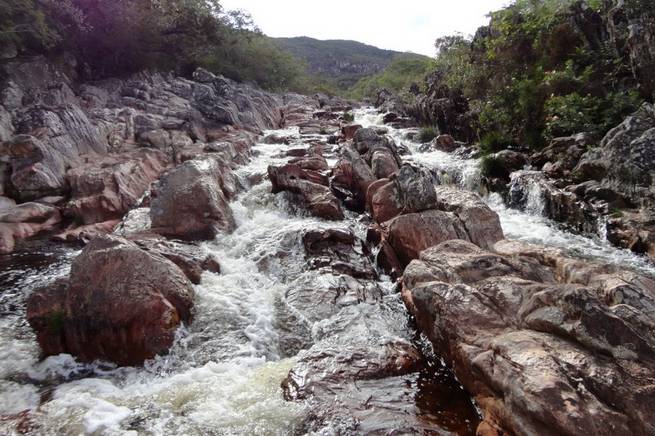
(523, 216)
(526, 192)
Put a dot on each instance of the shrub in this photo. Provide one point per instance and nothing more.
(348, 117)
(491, 167)
(494, 141)
(426, 134)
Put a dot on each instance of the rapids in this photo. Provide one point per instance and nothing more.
(528, 225)
(224, 372)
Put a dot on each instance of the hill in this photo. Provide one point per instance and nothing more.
(342, 61)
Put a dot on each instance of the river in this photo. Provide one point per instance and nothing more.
(224, 372)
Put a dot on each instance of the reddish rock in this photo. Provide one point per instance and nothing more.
(316, 197)
(349, 131)
(383, 163)
(87, 232)
(445, 143)
(313, 163)
(482, 224)
(190, 201)
(385, 204)
(545, 343)
(413, 233)
(120, 303)
(107, 188)
(352, 176)
(24, 221)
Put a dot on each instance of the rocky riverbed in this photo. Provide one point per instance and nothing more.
(238, 262)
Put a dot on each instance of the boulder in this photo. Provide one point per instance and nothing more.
(351, 177)
(350, 130)
(36, 169)
(190, 201)
(316, 197)
(340, 251)
(410, 234)
(445, 143)
(546, 344)
(383, 163)
(625, 160)
(120, 303)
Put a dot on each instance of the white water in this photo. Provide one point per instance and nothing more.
(223, 374)
(528, 225)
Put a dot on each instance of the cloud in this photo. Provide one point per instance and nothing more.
(408, 25)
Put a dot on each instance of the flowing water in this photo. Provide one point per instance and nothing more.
(224, 372)
(529, 224)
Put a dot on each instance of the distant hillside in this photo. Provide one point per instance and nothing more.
(342, 61)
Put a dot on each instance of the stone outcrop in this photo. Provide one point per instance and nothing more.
(546, 344)
(101, 145)
(121, 303)
(191, 201)
(107, 191)
(24, 221)
(415, 213)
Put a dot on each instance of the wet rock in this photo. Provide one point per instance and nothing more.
(383, 163)
(384, 200)
(120, 303)
(510, 160)
(350, 130)
(191, 203)
(445, 143)
(188, 258)
(410, 234)
(24, 221)
(313, 163)
(352, 176)
(108, 188)
(316, 197)
(481, 223)
(562, 154)
(545, 343)
(85, 233)
(339, 250)
(276, 139)
(319, 371)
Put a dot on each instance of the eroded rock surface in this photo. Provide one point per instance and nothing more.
(547, 344)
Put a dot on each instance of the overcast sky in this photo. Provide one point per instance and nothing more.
(403, 25)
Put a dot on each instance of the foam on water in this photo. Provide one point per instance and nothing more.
(528, 225)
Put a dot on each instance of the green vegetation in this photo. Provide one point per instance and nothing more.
(490, 166)
(338, 64)
(404, 71)
(426, 135)
(542, 69)
(112, 38)
(348, 117)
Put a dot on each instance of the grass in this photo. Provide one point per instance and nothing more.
(426, 134)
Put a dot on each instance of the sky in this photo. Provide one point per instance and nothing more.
(403, 25)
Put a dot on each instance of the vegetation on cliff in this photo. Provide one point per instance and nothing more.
(548, 68)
